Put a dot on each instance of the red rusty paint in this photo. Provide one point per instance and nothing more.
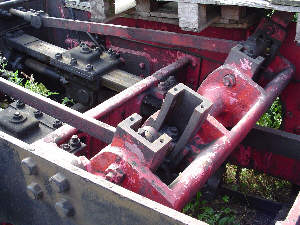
(238, 107)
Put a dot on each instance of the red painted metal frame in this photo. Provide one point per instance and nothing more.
(204, 161)
(119, 159)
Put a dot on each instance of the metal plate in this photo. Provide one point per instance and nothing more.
(94, 200)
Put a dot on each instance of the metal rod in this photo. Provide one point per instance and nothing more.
(95, 128)
(133, 33)
(211, 157)
(121, 98)
(11, 2)
(42, 69)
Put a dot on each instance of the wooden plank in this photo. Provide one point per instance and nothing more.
(233, 12)
(102, 9)
(250, 3)
(286, 2)
(196, 17)
(297, 37)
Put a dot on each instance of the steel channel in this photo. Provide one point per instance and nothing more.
(95, 128)
(133, 33)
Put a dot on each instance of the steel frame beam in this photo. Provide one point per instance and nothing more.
(132, 33)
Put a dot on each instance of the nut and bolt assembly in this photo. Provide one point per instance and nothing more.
(229, 80)
(59, 183)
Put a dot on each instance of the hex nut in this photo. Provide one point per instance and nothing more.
(229, 80)
(29, 166)
(58, 56)
(59, 183)
(64, 208)
(34, 191)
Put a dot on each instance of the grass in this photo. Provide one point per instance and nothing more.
(222, 215)
(249, 181)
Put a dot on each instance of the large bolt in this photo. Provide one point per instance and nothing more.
(29, 167)
(75, 141)
(89, 67)
(37, 114)
(73, 62)
(64, 208)
(17, 116)
(229, 80)
(59, 183)
(34, 191)
(20, 104)
(58, 56)
(57, 124)
(66, 147)
(149, 133)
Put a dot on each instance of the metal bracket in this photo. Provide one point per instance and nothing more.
(152, 152)
(184, 109)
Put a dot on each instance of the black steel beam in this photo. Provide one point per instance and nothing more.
(95, 128)
(275, 141)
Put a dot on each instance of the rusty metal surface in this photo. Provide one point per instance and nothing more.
(162, 37)
(92, 200)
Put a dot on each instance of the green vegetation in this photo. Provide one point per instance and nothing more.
(27, 82)
(204, 212)
(273, 117)
(249, 181)
(67, 101)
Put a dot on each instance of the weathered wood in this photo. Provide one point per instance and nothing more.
(297, 37)
(196, 17)
(102, 9)
(250, 3)
(286, 2)
(146, 6)
(233, 12)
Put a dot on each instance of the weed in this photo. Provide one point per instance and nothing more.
(273, 117)
(67, 101)
(204, 212)
(249, 181)
(28, 83)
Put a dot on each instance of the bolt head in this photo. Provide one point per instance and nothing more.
(17, 115)
(29, 166)
(229, 80)
(64, 208)
(58, 56)
(59, 183)
(37, 114)
(89, 67)
(73, 62)
(34, 191)
(75, 141)
(66, 147)
(20, 104)
(57, 124)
